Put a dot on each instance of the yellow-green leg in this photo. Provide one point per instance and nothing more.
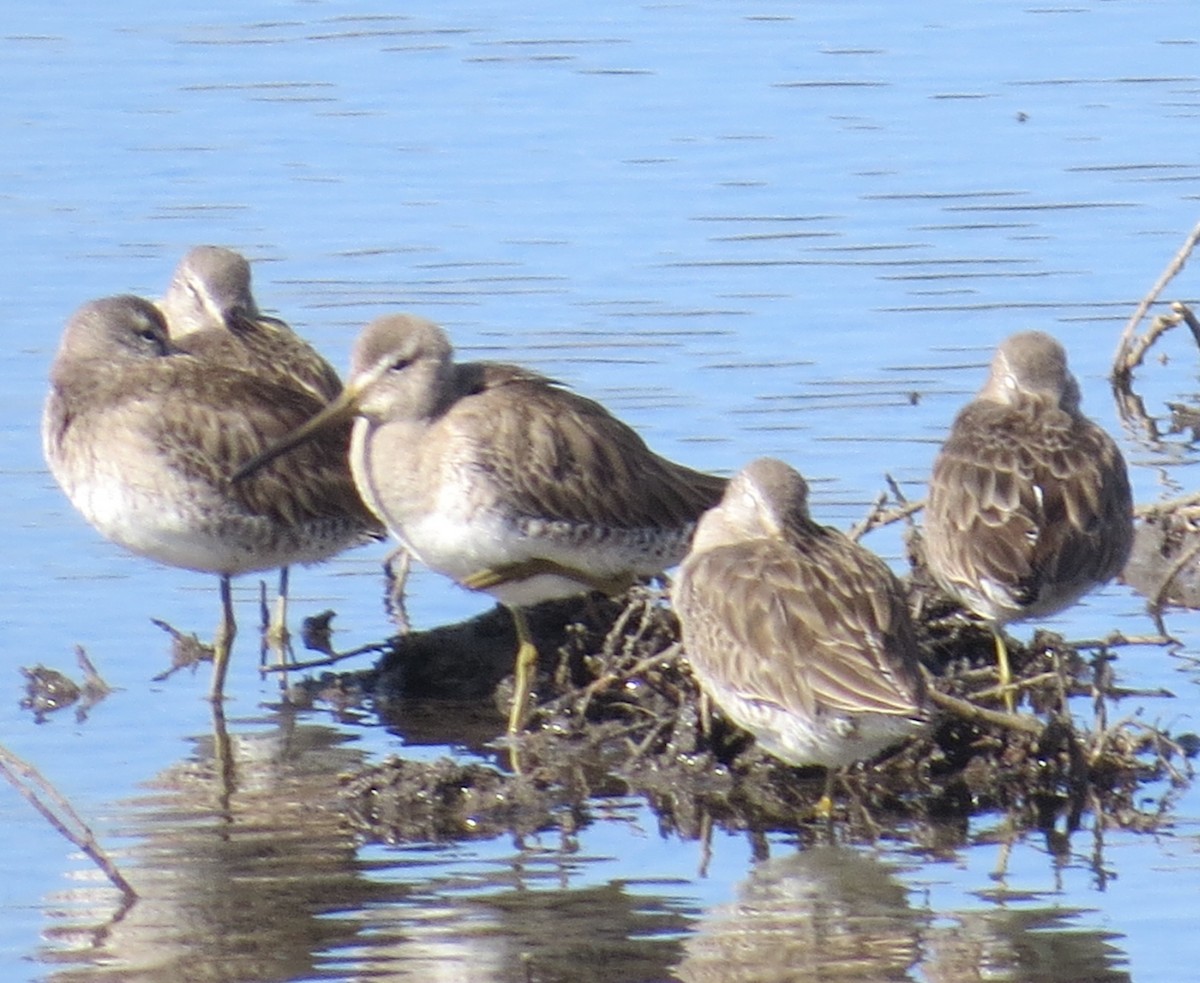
(527, 656)
(824, 807)
(276, 638)
(511, 573)
(1003, 670)
(223, 643)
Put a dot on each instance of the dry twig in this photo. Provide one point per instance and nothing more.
(1159, 601)
(1168, 506)
(1129, 355)
(881, 515)
(59, 813)
(977, 714)
(1189, 319)
(333, 658)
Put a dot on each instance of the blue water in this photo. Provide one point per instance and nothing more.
(749, 229)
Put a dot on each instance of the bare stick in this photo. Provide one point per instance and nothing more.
(1123, 365)
(867, 522)
(879, 517)
(976, 714)
(896, 490)
(1135, 354)
(1116, 639)
(1170, 505)
(333, 658)
(58, 812)
(1159, 600)
(667, 656)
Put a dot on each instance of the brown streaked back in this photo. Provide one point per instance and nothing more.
(140, 434)
(1029, 502)
(211, 311)
(800, 635)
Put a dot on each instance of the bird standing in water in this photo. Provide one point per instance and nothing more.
(142, 436)
(211, 312)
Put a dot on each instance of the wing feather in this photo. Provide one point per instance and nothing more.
(578, 463)
(1027, 497)
(216, 420)
(800, 628)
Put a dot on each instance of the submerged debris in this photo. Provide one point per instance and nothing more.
(48, 690)
(405, 801)
(187, 651)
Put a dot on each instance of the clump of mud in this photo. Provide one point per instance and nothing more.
(618, 712)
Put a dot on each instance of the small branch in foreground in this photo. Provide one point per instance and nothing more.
(1167, 506)
(1189, 319)
(880, 516)
(1117, 639)
(58, 812)
(1135, 354)
(1159, 601)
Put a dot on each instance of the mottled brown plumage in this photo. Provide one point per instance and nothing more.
(800, 635)
(1029, 501)
(142, 436)
(503, 480)
(210, 311)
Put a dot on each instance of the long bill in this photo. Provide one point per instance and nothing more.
(340, 409)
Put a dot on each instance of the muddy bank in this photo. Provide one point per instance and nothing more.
(619, 713)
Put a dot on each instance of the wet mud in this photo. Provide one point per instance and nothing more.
(619, 713)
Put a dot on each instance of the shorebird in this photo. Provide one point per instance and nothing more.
(210, 310)
(142, 436)
(1029, 501)
(502, 480)
(801, 636)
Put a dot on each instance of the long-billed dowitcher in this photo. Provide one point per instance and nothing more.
(142, 436)
(798, 634)
(1029, 502)
(210, 310)
(503, 480)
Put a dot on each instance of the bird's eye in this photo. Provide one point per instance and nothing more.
(400, 364)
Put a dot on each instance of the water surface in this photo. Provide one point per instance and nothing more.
(787, 229)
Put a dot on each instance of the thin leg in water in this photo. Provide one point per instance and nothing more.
(223, 643)
(277, 633)
(396, 568)
(824, 807)
(276, 638)
(526, 667)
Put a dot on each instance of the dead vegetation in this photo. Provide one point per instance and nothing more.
(619, 713)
